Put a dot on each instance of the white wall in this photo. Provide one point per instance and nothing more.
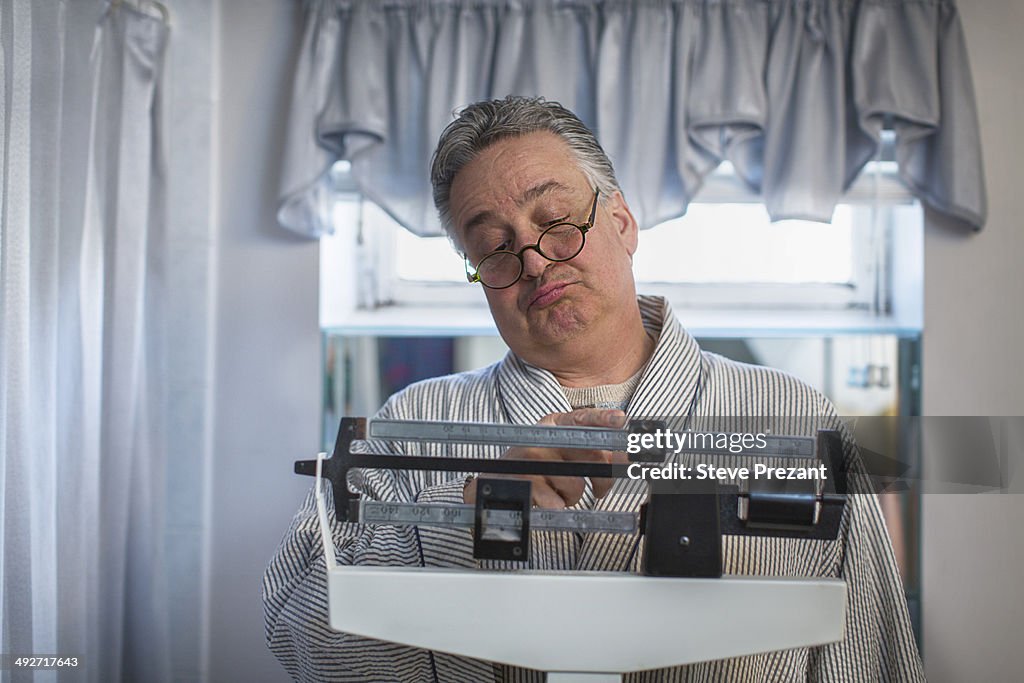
(267, 357)
(188, 111)
(973, 546)
(267, 354)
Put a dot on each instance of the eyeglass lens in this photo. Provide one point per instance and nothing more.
(558, 243)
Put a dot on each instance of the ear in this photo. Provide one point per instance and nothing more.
(622, 221)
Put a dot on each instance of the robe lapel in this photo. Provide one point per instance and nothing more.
(667, 389)
(527, 393)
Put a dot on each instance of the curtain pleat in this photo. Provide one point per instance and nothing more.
(83, 392)
(934, 115)
(634, 65)
(28, 532)
(132, 590)
(794, 93)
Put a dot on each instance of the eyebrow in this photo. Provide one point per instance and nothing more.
(531, 194)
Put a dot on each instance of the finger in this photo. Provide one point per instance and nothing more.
(561, 485)
(543, 495)
(569, 489)
(585, 455)
(618, 457)
(590, 417)
(601, 486)
(559, 454)
(582, 417)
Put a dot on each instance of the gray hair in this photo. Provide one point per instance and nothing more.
(482, 124)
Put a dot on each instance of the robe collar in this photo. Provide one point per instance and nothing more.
(668, 385)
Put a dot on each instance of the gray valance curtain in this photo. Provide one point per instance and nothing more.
(794, 93)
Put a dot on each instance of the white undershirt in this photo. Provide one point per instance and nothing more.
(608, 396)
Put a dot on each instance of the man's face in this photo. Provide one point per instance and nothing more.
(504, 199)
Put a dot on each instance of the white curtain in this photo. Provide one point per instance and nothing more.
(84, 394)
(794, 93)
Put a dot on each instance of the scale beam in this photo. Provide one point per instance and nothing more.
(588, 438)
(464, 516)
(682, 520)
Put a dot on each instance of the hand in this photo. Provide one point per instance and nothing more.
(563, 492)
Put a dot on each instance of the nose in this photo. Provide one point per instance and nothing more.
(533, 263)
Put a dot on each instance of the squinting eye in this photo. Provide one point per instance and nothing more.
(479, 251)
(503, 246)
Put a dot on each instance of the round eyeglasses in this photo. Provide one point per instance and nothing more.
(560, 242)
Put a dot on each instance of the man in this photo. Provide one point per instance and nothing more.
(529, 197)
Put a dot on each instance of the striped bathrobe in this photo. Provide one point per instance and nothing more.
(679, 379)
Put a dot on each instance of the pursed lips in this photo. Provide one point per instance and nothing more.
(547, 293)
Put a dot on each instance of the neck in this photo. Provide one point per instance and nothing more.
(611, 359)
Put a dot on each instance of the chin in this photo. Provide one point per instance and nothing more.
(559, 323)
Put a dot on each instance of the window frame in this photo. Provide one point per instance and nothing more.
(886, 295)
(878, 191)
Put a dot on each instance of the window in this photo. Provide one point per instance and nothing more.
(724, 256)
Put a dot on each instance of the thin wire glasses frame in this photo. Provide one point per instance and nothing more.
(564, 242)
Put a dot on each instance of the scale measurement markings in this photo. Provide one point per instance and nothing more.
(550, 436)
(500, 435)
(427, 514)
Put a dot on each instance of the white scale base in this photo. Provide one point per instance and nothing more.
(587, 626)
